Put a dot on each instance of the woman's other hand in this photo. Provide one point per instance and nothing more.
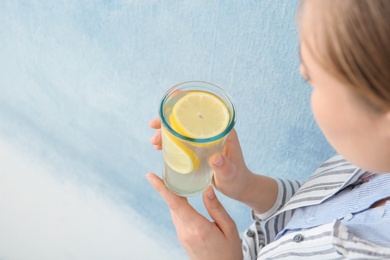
(201, 238)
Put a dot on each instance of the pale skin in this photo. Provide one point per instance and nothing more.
(357, 132)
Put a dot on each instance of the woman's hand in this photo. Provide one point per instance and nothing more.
(201, 238)
(232, 177)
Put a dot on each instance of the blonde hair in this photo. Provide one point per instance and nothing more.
(352, 42)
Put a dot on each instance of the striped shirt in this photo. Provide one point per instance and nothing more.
(271, 237)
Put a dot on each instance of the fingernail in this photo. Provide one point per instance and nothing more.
(149, 178)
(219, 161)
(210, 193)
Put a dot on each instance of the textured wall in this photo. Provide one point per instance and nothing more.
(79, 81)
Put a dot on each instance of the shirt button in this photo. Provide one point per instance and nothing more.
(298, 238)
(348, 217)
(250, 233)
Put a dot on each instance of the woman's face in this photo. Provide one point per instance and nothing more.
(356, 131)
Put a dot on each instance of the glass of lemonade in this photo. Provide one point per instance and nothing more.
(196, 117)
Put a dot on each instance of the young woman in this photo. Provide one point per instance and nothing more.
(343, 210)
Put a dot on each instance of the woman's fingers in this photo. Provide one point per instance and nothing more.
(178, 206)
(223, 167)
(155, 123)
(156, 140)
(201, 238)
(218, 213)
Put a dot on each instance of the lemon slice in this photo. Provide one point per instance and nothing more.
(200, 114)
(180, 158)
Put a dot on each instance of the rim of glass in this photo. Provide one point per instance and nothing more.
(226, 97)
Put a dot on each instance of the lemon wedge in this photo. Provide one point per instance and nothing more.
(200, 114)
(179, 157)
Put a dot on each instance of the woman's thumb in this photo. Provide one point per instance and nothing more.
(218, 213)
(223, 168)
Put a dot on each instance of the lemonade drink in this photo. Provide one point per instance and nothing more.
(196, 117)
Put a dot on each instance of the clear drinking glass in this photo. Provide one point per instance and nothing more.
(197, 149)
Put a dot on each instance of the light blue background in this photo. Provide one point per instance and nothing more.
(80, 80)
